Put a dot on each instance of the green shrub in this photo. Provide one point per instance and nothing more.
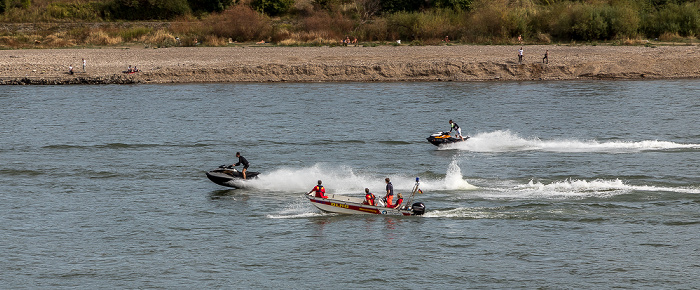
(673, 18)
(209, 5)
(134, 33)
(80, 11)
(240, 23)
(272, 7)
(145, 9)
(403, 25)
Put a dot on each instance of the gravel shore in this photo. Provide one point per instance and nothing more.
(339, 64)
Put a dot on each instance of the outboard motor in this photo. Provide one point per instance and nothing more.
(418, 208)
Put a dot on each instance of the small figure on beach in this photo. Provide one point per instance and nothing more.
(260, 42)
(520, 39)
(447, 39)
(354, 41)
(84, 65)
(520, 55)
(545, 59)
(130, 70)
(70, 69)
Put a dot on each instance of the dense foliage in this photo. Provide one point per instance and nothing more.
(292, 22)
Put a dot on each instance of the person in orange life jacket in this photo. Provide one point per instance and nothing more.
(320, 191)
(242, 160)
(369, 197)
(399, 201)
(389, 193)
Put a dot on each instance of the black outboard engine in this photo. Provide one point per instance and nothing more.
(418, 208)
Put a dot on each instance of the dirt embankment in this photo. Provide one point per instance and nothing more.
(337, 64)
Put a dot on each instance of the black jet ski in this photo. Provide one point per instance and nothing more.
(229, 176)
(440, 138)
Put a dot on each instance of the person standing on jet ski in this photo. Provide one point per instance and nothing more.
(242, 160)
(454, 126)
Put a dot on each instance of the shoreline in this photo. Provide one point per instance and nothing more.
(346, 64)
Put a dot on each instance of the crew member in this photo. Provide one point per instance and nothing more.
(454, 126)
(399, 201)
(389, 193)
(369, 197)
(242, 160)
(320, 191)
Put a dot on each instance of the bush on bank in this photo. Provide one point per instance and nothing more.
(326, 22)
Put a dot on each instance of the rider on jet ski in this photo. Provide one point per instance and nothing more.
(242, 160)
(454, 126)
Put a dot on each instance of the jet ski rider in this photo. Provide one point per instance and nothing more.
(454, 126)
(242, 160)
(320, 191)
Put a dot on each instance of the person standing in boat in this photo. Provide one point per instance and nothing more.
(458, 130)
(242, 160)
(320, 191)
(369, 197)
(389, 193)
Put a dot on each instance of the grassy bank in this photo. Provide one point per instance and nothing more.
(70, 23)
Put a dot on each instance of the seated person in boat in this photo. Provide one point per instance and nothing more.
(399, 201)
(369, 198)
(320, 191)
(389, 193)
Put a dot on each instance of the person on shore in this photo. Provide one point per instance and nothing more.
(389, 193)
(447, 39)
(545, 59)
(399, 201)
(354, 41)
(320, 191)
(369, 198)
(70, 69)
(458, 130)
(242, 160)
(520, 55)
(84, 65)
(520, 39)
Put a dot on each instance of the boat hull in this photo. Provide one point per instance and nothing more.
(349, 205)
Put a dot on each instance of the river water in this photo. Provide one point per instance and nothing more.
(590, 184)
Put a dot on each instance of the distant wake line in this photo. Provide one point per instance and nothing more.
(579, 189)
(505, 141)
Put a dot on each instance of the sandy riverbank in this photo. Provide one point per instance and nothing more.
(336, 64)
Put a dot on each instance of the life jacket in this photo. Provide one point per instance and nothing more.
(320, 191)
(399, 202)
(369, 197)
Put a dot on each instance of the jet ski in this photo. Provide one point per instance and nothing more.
(440, 138)
(229, 176)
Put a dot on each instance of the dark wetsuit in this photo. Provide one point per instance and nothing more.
(242, 160)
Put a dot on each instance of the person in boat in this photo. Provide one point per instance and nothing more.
(320, 191)
(399, 201)
(242, 160)
(454, 126)
(389, 193)
(369, 198)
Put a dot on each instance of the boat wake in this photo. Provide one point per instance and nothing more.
(344, 180)
(506, 141)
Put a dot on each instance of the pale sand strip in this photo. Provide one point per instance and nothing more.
(337, 64)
